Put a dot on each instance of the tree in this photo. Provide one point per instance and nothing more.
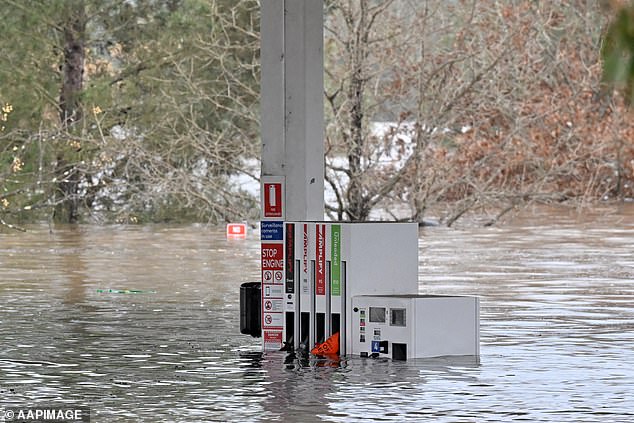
(73, 28)
(407, 63)
(433, 107)
(128, 111)
(485, 106)
(191, 120)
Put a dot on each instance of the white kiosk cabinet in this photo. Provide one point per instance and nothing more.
(415, 326)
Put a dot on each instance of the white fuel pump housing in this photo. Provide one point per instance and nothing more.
(329, 263)
(336, 272)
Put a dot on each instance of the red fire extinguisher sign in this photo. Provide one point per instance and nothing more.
(272, 199)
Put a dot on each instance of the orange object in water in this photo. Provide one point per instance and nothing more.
(331, 346)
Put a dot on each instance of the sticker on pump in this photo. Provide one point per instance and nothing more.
(273, 320)
(320, 271)
(272, 256)
(273, 305)
(272, 200)
(278, 276)
(272, 339)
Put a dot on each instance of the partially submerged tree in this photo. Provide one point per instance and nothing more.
(489, 105)
(127, 111)
(433, 107)
(190, 116)
(421, 67)
(73, 29)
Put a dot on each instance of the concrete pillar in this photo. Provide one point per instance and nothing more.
(292, 182)
(292, 104)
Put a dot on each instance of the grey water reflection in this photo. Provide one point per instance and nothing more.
(141, 323)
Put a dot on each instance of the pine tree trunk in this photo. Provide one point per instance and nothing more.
(70, 110)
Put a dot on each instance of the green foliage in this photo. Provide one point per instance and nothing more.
(29, 70)
(169, 99)
(618, 52)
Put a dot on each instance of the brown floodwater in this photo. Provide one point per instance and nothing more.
(141, 323)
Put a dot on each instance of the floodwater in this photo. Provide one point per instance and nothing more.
(557, 328)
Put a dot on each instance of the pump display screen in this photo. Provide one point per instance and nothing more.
(397, 317)
(377, 314)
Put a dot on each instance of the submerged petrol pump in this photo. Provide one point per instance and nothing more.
(359, 280)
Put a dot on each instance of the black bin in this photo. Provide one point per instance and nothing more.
(251, 309)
